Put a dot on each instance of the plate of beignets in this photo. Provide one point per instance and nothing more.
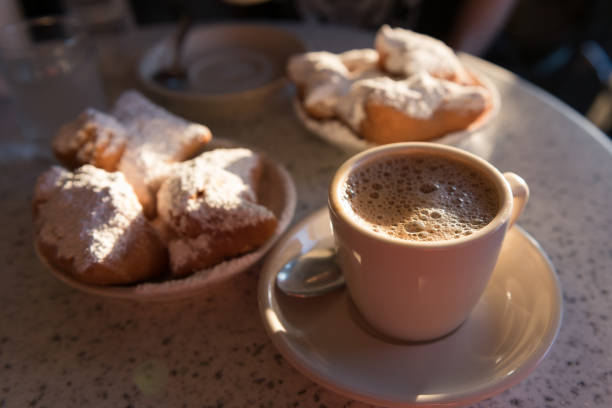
(207, 210)
(410, 87)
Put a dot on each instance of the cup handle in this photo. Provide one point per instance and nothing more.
(520, 195)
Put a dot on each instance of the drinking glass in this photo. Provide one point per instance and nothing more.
(50, 66)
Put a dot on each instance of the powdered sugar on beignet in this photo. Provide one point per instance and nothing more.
(404, 52)
(321, 78)
(145, 170)
(91, 224)
(48, 183)
(199, 197)
(157, 128)
(159, 139)
(360, 60)
(418, 97)
(92, 138)
(240, 161)
(315, 67)
(210, 203)
(192, 253)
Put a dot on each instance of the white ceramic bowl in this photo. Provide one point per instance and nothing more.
(277, 193)
(234, 70)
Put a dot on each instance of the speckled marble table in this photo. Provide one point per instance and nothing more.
(63, 348)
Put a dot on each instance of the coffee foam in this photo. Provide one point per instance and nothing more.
(421, 197)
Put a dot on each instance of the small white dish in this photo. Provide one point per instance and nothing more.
(507, 335)
(474, 139)
(277, 192)
(232, 69)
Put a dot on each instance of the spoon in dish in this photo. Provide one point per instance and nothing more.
(175, 76)
(313, 273)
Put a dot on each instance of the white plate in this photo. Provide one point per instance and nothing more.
(507, 335)
(475, 139)
(277, 192)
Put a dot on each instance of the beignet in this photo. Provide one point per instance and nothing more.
(421, 107)
(92, 138)
(90, 224)
(210, 204)
(158, 140)
(405, 53)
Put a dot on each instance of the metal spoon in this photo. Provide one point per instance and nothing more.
(175, 76)
(311, 274)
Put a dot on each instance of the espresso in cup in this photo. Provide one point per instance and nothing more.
(418, 228)
(421, 197)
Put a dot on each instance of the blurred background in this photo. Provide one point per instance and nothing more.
(562, 46)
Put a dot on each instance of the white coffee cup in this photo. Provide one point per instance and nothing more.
(417, 290)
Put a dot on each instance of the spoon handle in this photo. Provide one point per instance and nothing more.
(184, 26)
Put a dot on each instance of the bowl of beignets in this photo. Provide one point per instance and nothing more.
(409, 87)
(147, 205)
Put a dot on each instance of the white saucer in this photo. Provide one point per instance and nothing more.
(475, 139)
(277, 192)
(507, 335)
